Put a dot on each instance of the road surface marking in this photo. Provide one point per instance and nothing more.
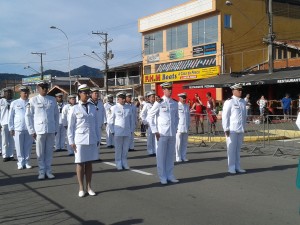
(136, 171)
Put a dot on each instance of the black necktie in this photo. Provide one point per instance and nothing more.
(86, 107)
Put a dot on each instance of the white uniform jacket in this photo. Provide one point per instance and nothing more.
(120, 120)
(234, 115)
(4, 110)
(100, 111)
(64, 114)
(144, 112)
(41, 115)
(60, 107)
(83, 127)
(163, 117)
(107, 107)
(16, 116)
(134, 112)
(184, 118)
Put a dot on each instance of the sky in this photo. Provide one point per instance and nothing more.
(25, 28)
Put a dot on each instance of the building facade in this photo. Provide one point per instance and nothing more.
(205, 38)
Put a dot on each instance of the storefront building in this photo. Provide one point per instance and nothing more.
(203, 39)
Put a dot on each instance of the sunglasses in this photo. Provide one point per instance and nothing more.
(169, 88)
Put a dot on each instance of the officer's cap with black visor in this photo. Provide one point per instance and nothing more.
(121, 94)
(237, 86)
(166, 85)
(24, 89)
(182, 95)
(43, 84)
(84, 88)
(149, 93)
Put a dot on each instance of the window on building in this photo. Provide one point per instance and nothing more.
(227, 21)
(279, 53)
(153, 43)
(147, 69)
(177, 37)
(294, 53)
(205, 31)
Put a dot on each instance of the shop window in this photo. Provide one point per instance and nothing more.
(153, 43)
(177, 37)
(205, 31)
(294, 54)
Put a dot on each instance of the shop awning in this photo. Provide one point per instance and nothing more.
(226, 80)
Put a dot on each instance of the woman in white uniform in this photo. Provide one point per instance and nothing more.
(83, 136)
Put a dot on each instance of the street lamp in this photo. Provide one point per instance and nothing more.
(53, 27)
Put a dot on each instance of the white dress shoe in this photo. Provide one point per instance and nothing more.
(163, 182)
(126, 167)
(174, 181)
(91, 192)
(119, 168)
(241, 171)
(41, 176)
(50, 176)
(232, 171)
(185, 160)
(28, 166)
(81, 194)
(20, 167)
(178, 160)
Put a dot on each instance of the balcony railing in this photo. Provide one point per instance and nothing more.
(124, 81)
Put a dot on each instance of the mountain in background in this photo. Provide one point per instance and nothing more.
(84, 71)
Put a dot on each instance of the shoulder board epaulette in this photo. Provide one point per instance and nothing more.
(161, 100)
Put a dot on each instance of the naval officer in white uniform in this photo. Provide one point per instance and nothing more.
(107, 106)
(64, 117)
(183, 128)
(151, 145)
(96, 101)
(7, 138)
(41, 119)
(18, 129)
(134, 109)
(163, 121)
(60, 137)
(83, 135)
(233, 122)
(121, 124)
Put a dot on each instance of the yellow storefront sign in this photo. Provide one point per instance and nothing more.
(193, 74)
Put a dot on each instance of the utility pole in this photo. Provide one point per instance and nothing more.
(41, 55)
(270, 37)
(107, 56)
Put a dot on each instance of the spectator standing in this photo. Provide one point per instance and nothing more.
(233, 122)
(262, 104)
(197, 109)
(211, 112)
(286, 106)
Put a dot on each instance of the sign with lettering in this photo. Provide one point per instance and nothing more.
(209, 61)
(153, 58)
(205, 50)
(179, 54)
(35, 79)
(194, 74)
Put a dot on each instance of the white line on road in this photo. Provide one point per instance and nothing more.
(295, 139)
(136, 171)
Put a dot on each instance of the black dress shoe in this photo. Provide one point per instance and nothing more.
(0, 153)
(152, 155)
(131, 150)
(5, 159)
(11, 159)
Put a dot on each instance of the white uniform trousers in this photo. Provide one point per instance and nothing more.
(44, 151)
(7, 142)
(151, 145)
(131, 141)
(234, 143)
(23, 143)
(181, 146)
(165, 157)
(0, 143)
(109, 137)
(60, 137)
(121, 150)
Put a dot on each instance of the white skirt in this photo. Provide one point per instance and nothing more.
(86, 153)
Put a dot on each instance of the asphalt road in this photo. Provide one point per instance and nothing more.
(206, 194)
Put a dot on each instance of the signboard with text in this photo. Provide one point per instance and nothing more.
(179, 54)
(193, 74)
(35, 79)
(203, 62)
(153, 58)
(205, 50)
